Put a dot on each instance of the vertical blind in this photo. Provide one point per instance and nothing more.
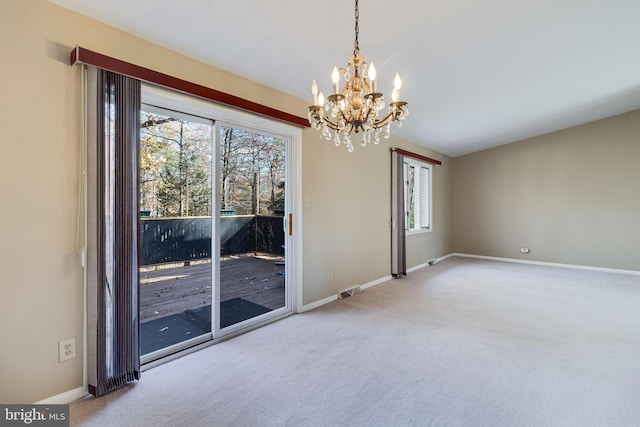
(398, 257)
(113, 129)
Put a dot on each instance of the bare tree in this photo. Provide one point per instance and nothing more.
(176, 169)
(177, 177)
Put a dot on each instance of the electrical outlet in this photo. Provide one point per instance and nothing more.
(67, 349)
(330, 275)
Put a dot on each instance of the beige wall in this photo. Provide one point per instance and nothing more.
(572, 197)
(345, 227)
(347, 223)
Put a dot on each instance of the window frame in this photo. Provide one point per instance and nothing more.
(420, 209)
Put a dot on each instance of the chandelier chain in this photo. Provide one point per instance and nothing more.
(356, 49)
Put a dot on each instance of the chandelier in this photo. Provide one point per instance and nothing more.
(355, 106)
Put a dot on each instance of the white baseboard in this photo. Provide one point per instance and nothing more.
(318, 303)
(418, 267)
(64, 398)
(548, 264)
(371, 284)
(442, 258)
(332, 298)
(376, 282)
(428, 263)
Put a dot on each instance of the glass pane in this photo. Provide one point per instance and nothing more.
(424, 198)
(411, 197)
(252, 236)
(175, 229)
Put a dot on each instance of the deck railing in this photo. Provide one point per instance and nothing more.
(164, 240)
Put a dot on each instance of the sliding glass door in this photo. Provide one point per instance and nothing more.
(176, 272)
(252, 239)
(216, 232)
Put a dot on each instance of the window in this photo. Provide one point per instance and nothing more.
(417, 195)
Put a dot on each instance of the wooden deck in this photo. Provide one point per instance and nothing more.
(174, 289)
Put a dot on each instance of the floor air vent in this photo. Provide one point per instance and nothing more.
(349, 292)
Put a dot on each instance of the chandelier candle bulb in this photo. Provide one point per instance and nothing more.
(397, 85)
(335, 77)
(321, 99)
(372, 77)
(314, 91)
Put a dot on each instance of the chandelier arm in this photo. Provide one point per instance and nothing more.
(344, 117)
(372, 110)
(388, 118)
(365, 117)
(341, 117)
(327, 122)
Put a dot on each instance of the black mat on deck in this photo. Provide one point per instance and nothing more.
(165, 331)
(237, 310)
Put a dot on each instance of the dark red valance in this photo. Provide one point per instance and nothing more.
(417, 156)
(86, 56)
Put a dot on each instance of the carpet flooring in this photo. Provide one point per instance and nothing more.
(461, 343)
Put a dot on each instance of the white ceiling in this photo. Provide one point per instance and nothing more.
(476, 73)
